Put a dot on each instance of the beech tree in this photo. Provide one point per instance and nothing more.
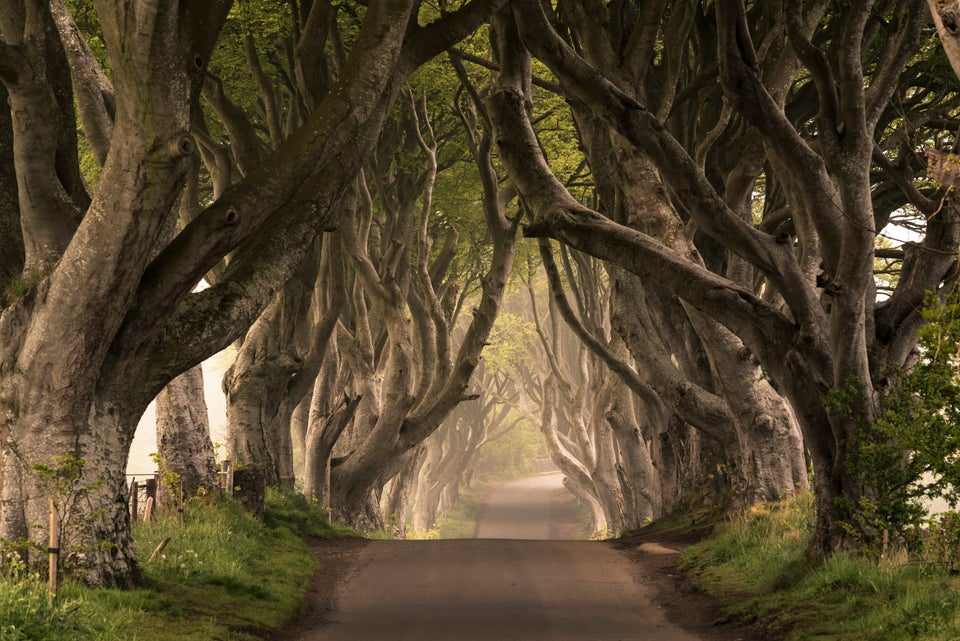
(411, 374)
(98, 322)
(824, 327)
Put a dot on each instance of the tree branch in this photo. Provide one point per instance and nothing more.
(95, 99)
(560, 216)
(629, 377)
(680, 172)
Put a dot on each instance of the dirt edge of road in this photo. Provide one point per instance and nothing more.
(338, 562)
(655, 555)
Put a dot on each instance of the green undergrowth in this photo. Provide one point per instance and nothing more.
(456, 522)
(758, 565)
(223, 576)
(460, 522)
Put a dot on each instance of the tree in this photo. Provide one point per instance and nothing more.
(410, 372)
(442, 469)
(824, 326)
(183, 434)
(104, 325)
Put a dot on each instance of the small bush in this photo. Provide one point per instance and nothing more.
(293, 511)
(943, 546)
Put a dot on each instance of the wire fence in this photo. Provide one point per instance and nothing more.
(144, 495)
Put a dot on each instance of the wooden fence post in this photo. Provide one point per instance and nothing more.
(148, 510)
(180, 502)
(226, 470)
(54, 551)
(134, 500)
(151, 484)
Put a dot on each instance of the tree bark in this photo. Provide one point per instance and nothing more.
(183, 434)
(946, 18)
(11, 249)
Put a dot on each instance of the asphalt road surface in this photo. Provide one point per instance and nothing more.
(496, 589)
(534, 508)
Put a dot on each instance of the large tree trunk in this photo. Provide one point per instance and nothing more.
(639, 478)
(323, 429)
(258, 408)
(183, 433)
(54, 357)
(279, 361)
(92, 508)
(395, 502)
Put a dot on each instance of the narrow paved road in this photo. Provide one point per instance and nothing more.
(495, 589)
(534, 508)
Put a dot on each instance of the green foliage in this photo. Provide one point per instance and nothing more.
(89, 167)
(943, 545)
(908, 454)
(292, 511)
(20, 287)
(510, 456)
(63, 481)
(251, 573)
(26, 613)
(169, 479)
(509, 340)
(756, 552)
(757, 564)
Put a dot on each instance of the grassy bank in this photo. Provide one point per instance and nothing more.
(222, 576)
(757, 564)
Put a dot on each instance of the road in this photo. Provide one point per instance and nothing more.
(535, 508)
(494, 589)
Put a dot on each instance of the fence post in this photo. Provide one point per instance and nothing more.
(226, 469)
(134, 500)
(148, 510)
(180, 502)
(152, 490)
(54, 551)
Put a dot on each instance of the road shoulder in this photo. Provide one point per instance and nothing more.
(339, 560)
(656, 557)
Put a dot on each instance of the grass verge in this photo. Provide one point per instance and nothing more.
(223, 576)
(757, 564)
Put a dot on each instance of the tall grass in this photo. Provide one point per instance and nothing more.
(758, 564)
(222, 576)
(27, 615)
